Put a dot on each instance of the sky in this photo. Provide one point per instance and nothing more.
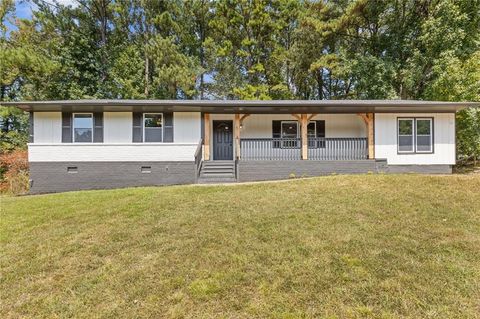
(24, 8)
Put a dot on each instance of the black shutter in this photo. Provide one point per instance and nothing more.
(320, 128)
(168, 126)
(98, 127)
(321, 133)
(30, 128)
(276, 132)
(137, 133)
(66, 127)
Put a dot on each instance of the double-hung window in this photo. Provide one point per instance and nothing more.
(289, 134)
(415, 135)
(83, 127)
(153, 127)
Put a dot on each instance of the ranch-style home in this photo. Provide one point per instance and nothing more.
(95, 144)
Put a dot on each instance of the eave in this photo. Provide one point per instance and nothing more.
(245, 106)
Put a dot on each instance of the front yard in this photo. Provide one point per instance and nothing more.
(366, 246)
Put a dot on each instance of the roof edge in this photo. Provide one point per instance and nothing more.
(229, 106)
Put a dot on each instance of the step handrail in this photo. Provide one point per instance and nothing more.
(198, 159)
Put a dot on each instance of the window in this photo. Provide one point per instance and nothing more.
(312, 129)
(405, 135)
(146, 169)
(153, 127)
(423, 135)
(289, 133)
(72, 169)
(415, 135)
(312, 134)
(83, 127)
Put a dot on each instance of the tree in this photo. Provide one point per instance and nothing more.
(458, 80)
(248, 48)
(13, 129)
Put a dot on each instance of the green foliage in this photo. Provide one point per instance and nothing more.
(13, 129)
(127, 74)
(176, 72)
(468, 134)
(458, 80)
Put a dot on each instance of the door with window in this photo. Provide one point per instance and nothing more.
(222, 140)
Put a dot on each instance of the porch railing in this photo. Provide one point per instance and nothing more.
(291, 148)
(198, 158)
(270, 148)
(331, 149)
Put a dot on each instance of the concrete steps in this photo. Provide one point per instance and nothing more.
(217, 172)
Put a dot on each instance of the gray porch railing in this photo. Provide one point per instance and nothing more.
(270, 148)
(331, 149)
(290, 148)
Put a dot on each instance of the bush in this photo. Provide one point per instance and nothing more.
(14, 177)
(468, 135)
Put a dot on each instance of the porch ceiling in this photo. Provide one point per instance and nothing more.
(250, 106)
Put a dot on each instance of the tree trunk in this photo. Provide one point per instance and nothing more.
(202, 64)
(320, 84)
(147, 71)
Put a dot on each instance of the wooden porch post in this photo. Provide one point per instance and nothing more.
(371, 140)
(237, 135)
(368, 118)
(304, 122)
(206, 141)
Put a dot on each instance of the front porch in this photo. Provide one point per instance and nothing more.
(277, 146)
(288, 136)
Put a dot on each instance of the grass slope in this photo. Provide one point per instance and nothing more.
(335, 247)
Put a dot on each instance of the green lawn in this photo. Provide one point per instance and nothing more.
(371, 246)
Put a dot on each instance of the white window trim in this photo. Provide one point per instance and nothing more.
(415, 135)
(163, 126)
(431, 135)
(73, 127)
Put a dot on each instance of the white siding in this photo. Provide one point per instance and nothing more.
(444, 140)
(117, 127)
(186, 127)
(47, 127)
(147, 152)
(336, 125)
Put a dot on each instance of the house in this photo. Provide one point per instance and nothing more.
(95, 144)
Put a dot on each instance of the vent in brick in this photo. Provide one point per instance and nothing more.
(72, 169)
(146, 169)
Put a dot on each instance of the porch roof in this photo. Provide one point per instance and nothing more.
(245, 106)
